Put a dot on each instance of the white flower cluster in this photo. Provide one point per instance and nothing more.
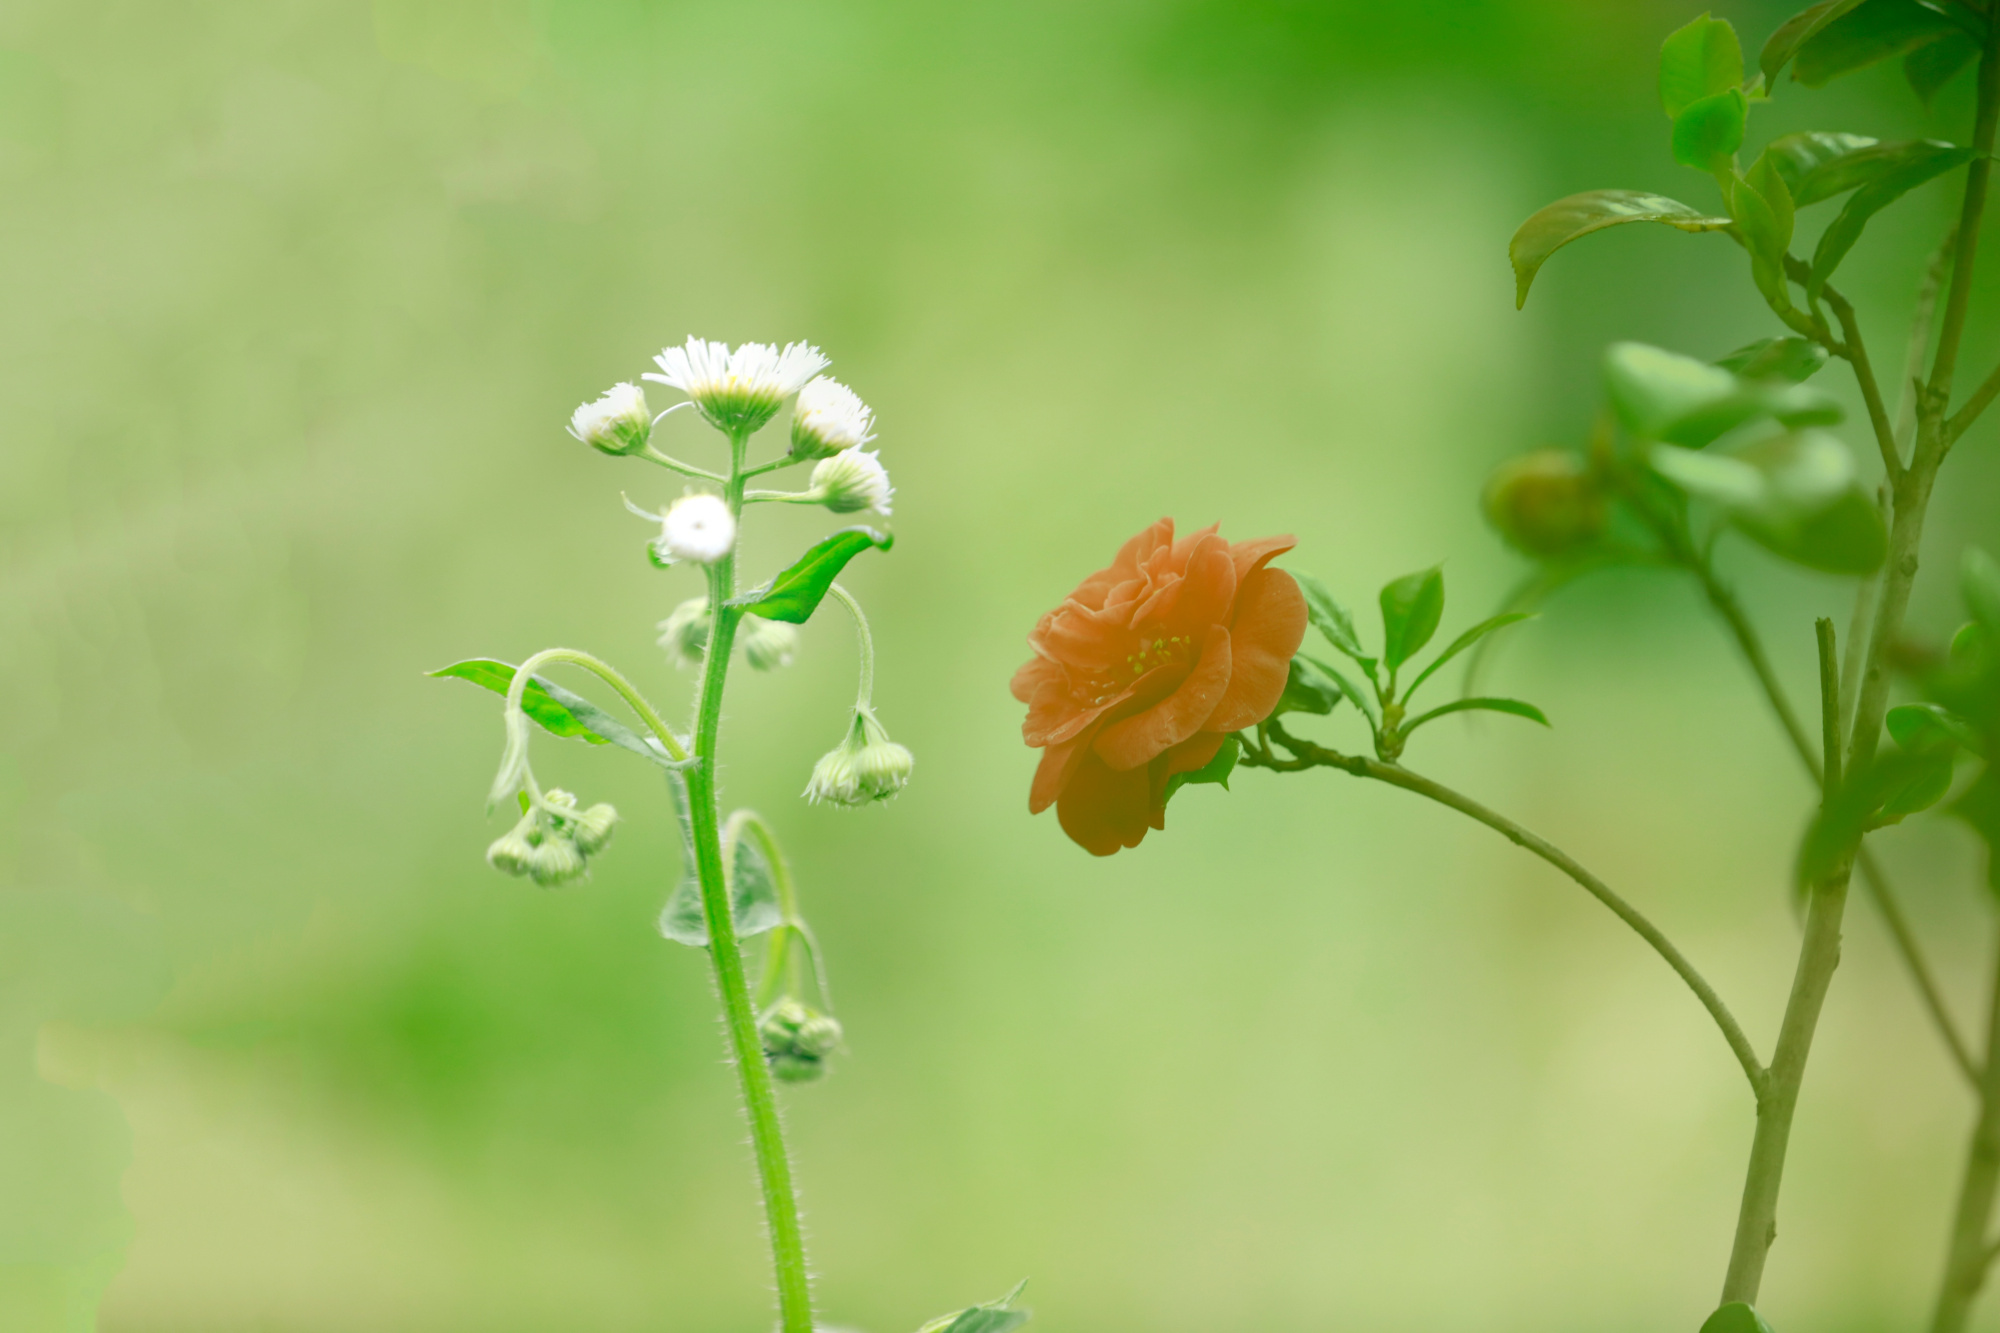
(738, 391)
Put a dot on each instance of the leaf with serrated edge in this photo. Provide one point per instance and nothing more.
(1329, 617)
(795, 594)
(1579, 215)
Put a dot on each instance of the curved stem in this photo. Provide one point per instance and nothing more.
(865, 695)
(652, 455)
(606, 673)
(1398, 776)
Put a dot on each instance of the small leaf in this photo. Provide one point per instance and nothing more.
(1332, 620)
(1934, 64)
(1216, 771)
(1788, 358)
(1898, 173)
(1579, 215)
(1798, 495)
(753, 891)
(1795, 32)
(1836, 830)
(1481, 703)
(1979, 583)
(1979, 806)
(1875, 30)
(1922, 789)
(1928, 726)
(1735, 1317)
(1308, 690)
(1818, 165)
(795, 594)
(1710, 130)
(1354, 693)
(1466, 640)
(1769, 182)
(1661, 395)
(1700, 60)
(557, 710)
(1411, 608)
(992, 1317)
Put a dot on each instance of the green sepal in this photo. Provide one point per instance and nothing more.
(1700, 60)
(1864, 34)
(1466, 640)
(753, 891)
(1910, 165)
(1790, 358)
(1735, 1317)
(1308, 690)
(1710, 131)
(795, 594)
(1479, 703)
(557, 710)
(1577, 216)
(1411, 608)
(1216, 771)
(992, 1317)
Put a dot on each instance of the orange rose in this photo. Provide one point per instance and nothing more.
(1146, 669)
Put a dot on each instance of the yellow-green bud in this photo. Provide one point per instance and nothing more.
(797, 1040)
(1546, 503)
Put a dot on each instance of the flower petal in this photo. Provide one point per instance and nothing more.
(1132, 741)
(1102, 810)
(1252, 556)
(1131, 560)
(1269, 626)
(1031, 675)
(1058, 766)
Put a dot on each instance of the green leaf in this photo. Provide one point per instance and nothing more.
(795, 594)
(1708, 132)
(1928, 726)
(1700, 60)
(556, 710)
(1979, 583)
(1331, 619)
(1768, 181)
(1789, 358)
(1411, 608)
(1799, 495)
(1924, 787)
(1818, 165)
(1581, 214)
(1466, 640)
(1735, 1317)
(1795, 32)
(1308, 690)
(1934, 64)
(1911, 165)
(1979, 806)
(1872, 31)
(1480, 703)
(1661, 395)
(1353, 692)
(1215, 771)
(993, 1317)
(753, 890)
(1836, 830)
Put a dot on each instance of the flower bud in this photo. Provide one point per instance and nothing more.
(513, 852)
(768, 644)
(592, 828)
(555, 861)
(698, 528)
(1545, 503)
(617, 423)
(684, 633)
(865, 767)
(797, 1040)
(828, 418)
(852, 480)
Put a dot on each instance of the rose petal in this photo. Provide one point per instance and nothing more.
(1032, 674)
(1270, 625)
(1252, 556)
(1102, 810)
(1128, 743)
(1058, 766)
(1131, 559)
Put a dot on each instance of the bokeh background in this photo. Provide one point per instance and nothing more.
(298, 295)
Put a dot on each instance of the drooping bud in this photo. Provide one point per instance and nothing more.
(797, 1040)
(697, 527)
(684, 633)
(1545, 503)
(767, 644)
(865, 767)
(828, 418)
(556, 860)
(852, 480)
(617, 423)
(737, 391)
(592, 828)
(513, 852)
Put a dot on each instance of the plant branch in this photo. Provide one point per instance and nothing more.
(652, 455)
(1970, 1254)
(1977, 175)
(865, 693)
(1307, 754)
(1856, 352)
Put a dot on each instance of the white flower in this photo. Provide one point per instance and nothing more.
(768, 644)
(617, 423)
(698, 528)
(865, 767)
(829, 417)
(738, 391)
(852, 480)
(684, 633)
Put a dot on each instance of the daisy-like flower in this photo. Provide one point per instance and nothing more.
(865, 767)
(852, 480)
(829, 417)
(617, 423)
(737, 391)
(698, 528)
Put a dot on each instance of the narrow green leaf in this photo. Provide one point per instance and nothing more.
(1411, 608)
(1934, 64)
(1697, 61)
(992, 1317)
(1928, 726)
(795, 594)
(1735, 1317)
(1330, 618)
(1916, 162)
(1355, 694)
(1789, 358)
(1579, 215)
(1818, 164)
(753, 891)
(556, 710)
(1216, 771)
(1795, 32)
(1308, 690)
(1872, 31)
(1480, 703)
(1710, 130)
(1466, 640)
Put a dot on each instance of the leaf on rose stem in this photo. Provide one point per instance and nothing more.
(1865, 34)
(556, 710)
(1330, 618)
(1579, 215)
(795, 594)
(1934, 64)
(1215, 771)
(1354, 693)
(1661, 395)
(1466, 640)
(1706, 133)
(992, 1317)
(1308, 690)
(1700, 60)
(1411, 608)
(1914, 163)
(1481, 703)
(1735, 1317)
(753, 888)
(1788, 358)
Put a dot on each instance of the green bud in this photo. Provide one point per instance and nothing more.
(1546, 503)
(556, 861)
(767, 644)
(797, 1040)
(513, 852)
(865, 767)
(617, 423)
(684, 633)
(592, 828)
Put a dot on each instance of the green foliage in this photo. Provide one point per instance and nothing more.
(1979, 807)
(1216, 771)
(1887, 176)
(1709, 132)
(556, 710)
(753, 893)
(1864, 34)
(1698, 61)
(1331, 619)
(1579, 215)
(1934, 64)
(1355, 694)
(1799, 495)
(992, 1317)
(795, 594)
(1661, 395)
(1481, 704)
(1411, 608)
(1466, 640)
(1735, 1317)
(1308, 689)
(1929, 726)
(1979, 584)
(1788, 358)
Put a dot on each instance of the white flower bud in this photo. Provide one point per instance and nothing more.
(593, 827)
(737, 391)
(684, 633)
(512, 853)
(865, 767)
(768, 644)
(617, 423)
(698, 528)
(828, 418)
(555, 861)
(852, 480)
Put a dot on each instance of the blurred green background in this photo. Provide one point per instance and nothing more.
(298, 296)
